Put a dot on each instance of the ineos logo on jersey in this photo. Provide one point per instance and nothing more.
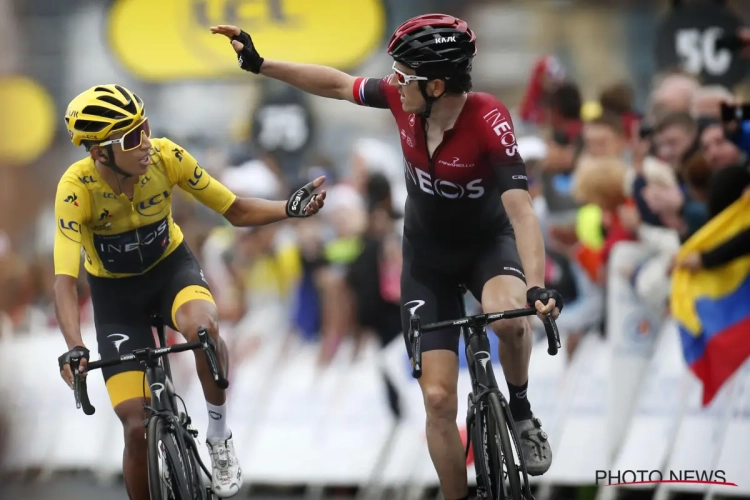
(446, 189)
(145, 238)
(504, 130)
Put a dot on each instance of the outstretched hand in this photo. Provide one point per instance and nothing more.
(305, 202)
(247, 55)
(230, 32)
(318, 199)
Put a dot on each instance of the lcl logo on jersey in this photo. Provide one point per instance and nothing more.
(153, 206)
(199, 180)
(441, 187)
(504, 130)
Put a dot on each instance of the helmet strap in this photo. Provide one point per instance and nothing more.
(112, 165)
(428, 99)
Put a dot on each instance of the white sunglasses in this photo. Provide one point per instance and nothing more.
(403, 79)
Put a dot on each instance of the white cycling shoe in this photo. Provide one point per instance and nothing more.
(227, 473)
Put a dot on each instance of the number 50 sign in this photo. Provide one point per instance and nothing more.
(687, 39)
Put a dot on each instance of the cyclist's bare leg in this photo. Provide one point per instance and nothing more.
(132, 416)
(226, 478)
(438, 383)
(500, 294)
(189, 317)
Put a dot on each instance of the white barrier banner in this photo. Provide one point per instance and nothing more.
(631, 332)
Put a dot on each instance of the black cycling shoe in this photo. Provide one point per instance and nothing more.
(534, 445)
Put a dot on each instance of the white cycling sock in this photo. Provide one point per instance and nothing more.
(217, 422)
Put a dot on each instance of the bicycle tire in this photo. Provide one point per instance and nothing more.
(175, 459)
(501, 430)
(493, 414)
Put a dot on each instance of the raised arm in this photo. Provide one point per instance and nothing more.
(185, 171)
(313, 79)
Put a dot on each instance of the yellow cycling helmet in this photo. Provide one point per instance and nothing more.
(100, 111)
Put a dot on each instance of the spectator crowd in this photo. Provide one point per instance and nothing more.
(600, 173)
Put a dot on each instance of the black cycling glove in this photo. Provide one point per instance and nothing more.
(300, 200)
(248, 58)
(77, 352)
(544, 294)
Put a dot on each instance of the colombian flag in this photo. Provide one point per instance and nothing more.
(712, 306)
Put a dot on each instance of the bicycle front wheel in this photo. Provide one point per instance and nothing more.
(168, 474)
(502, 467)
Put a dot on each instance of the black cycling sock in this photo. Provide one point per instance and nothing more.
(520, 407)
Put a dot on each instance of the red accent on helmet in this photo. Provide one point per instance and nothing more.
(414, 42)
(432, 21)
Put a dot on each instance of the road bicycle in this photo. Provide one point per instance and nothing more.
(500, 466)
(174, 463)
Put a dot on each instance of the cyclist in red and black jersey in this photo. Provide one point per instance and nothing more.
(468, 215)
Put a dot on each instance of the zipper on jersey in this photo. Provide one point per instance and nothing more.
(430, 162)
(137, 236)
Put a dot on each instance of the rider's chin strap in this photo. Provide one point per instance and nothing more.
(112, 165)
(428, 99)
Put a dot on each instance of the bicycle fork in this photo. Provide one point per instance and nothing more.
(479, 359)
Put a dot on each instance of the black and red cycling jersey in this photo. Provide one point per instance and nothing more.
(455, 195)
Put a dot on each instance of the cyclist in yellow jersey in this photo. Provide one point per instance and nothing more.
(115, 204)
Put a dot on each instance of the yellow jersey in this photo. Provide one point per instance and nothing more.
(122, 237)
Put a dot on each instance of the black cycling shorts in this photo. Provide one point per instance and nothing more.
(123, 308)
(433, 272)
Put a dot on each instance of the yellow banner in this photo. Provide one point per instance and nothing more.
(159, 40)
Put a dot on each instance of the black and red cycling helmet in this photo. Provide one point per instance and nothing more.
(434, 44)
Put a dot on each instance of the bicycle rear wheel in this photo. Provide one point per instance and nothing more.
(169, 474)
(493, 453)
